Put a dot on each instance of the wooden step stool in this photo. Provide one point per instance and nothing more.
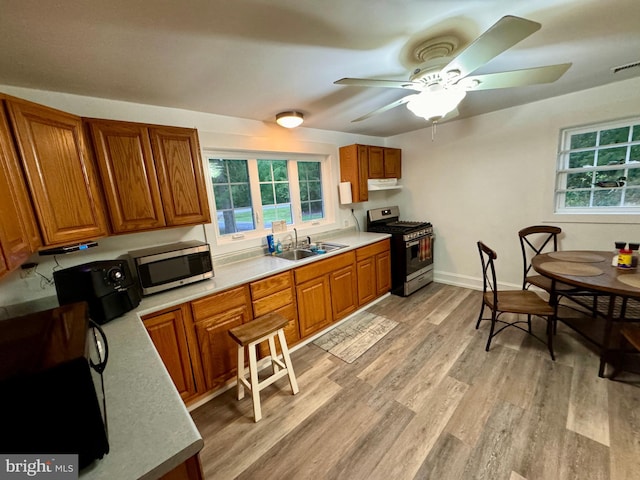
(250, 335)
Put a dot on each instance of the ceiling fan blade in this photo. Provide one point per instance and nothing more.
(518, 78)
(504, 34)
(395, 104)
(367, 82)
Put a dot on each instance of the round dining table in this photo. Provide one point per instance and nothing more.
(593, 271)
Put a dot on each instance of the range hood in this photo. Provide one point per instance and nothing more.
(383, 184)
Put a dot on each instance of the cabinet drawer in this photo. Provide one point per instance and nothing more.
(270, 285)
(220, 302)
(273, 302)
(373, 249)
(323, 267)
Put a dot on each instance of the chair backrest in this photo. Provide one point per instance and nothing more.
(489, 283)
(535, 240)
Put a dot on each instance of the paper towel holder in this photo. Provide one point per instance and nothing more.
(344, 189)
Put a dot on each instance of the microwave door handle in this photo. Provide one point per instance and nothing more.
(102, 365)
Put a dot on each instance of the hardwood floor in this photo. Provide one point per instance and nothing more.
(427, 402)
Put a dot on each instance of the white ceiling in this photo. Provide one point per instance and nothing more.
(254, 58)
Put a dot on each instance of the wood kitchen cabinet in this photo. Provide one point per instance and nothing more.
(326, 292)
(60, 174)
(168, 332)
(19, 236)
(373, 271)
(213, 316)
(276, 294)
(152, 176)
(358, 163)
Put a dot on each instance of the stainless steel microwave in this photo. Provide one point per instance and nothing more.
(169, 266)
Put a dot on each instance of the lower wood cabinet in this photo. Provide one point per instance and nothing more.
(276, 294)
(326, 292)
(373, 271)
(213, 316)
(191, 469)
(168, 332)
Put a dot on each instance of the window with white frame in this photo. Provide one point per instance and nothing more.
(598, 169)
(251, 191)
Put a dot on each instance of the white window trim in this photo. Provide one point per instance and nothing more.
(257, 237)
(588, 215)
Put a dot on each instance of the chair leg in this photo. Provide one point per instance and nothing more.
(493, 327)
(480, 316)
(529, 322)
(551, 322)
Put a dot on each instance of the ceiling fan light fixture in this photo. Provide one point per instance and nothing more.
(289, 119)
(435, 104)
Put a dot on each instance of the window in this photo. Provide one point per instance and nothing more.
(599, 169)
(252, 192)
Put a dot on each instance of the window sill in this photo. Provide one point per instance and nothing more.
(603, 218)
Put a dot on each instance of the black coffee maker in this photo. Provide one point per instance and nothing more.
(107, 286)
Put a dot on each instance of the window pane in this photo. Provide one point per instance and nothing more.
(274, 191)
(582, 159)
(309, 178)
(634, 154)
(615, 135)
(583, 140)
(579, 180)
(636, 133)
(607, 197)
(609, 176)
(612, 156)
(232, 195)
(633, 176)
(632, 198)
(577, 199)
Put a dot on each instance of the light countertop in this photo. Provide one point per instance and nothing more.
(150, 429)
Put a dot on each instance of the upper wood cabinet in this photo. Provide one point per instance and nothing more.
(152, 176)
(358, 163)
(19, 236)
(61, 177)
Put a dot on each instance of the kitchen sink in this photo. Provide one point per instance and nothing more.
(313, 250)
(296, 254)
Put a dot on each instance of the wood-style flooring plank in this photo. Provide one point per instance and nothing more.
(624, 421)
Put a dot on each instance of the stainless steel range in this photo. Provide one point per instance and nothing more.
(411, 249)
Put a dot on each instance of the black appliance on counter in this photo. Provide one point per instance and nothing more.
(106, 285)
(51, 365)
(411, 249)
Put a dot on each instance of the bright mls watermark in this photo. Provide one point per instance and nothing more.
(49, 467)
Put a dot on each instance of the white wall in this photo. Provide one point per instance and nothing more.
(486, 177)
(215, 132)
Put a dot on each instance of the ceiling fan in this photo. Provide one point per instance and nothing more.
(443, 82)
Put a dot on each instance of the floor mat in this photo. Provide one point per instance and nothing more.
(355, 336)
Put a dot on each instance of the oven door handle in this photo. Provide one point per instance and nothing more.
(412, 243)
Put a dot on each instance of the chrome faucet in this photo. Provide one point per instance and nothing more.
(295, 231)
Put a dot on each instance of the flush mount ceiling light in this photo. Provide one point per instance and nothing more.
(289, 119)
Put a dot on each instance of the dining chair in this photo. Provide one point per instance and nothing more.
(517, 302)
(538, 239)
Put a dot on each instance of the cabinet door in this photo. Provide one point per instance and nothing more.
(167, 331)
(354, 168)
(129, 180)
(343, 292)
(218, 351)
(392, 163)
(17, 223)
(176, 153)
(314, 305)
(366, 271)
(61, 176)
(376, 162)
(383, 273)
